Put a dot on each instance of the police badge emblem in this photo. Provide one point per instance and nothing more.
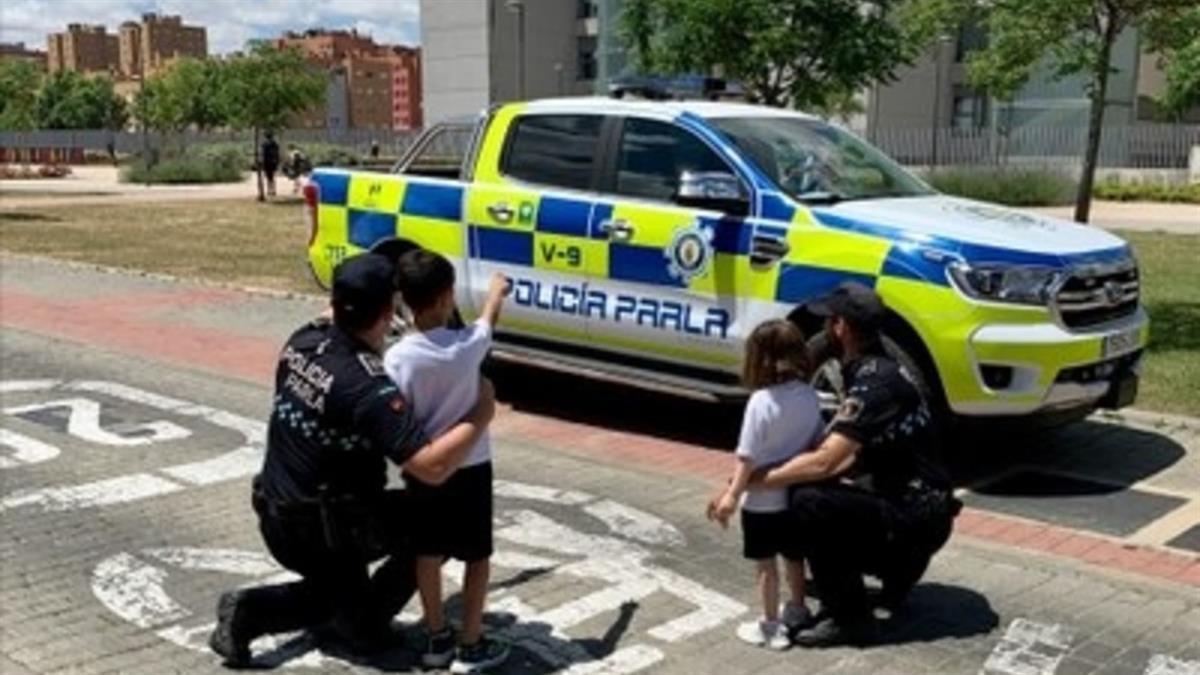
(690, 253)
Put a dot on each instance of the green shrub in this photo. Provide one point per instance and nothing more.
(1011, 187)
(182, 170)
(1147, 191)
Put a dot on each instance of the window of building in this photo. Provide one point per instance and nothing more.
(971, 38)
(587, 9)
(970, 109)
(586, 58)
(554, 149)
(654, 154)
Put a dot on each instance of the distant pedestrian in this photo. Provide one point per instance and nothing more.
(270, 161)
(782, 419)
(374, 149)
(297, 167)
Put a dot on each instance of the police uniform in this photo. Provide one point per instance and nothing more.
(892, 510)
(320, 498)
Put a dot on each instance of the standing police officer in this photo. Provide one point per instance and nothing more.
(874, 496)
(320, 498)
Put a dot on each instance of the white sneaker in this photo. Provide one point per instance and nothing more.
(769, 634)
(795, 616)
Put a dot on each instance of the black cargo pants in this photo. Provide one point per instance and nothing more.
(847, 532)
(334, 585)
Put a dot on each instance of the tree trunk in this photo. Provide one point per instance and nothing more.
(258, 166)
(1087, 176)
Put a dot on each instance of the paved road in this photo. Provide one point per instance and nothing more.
(131, 419)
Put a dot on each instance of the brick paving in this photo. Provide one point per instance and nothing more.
(1007, 595)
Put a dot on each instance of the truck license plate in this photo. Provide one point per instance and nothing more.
(1120, 343)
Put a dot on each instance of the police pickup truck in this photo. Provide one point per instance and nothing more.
(646, 239)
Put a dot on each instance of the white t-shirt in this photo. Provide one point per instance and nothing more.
(780, 422)
(437, 371)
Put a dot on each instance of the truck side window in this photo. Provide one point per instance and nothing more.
(557, 150)
(653, 154)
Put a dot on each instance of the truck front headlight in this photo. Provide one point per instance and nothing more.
(1019, 284)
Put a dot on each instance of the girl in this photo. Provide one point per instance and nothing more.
(782, 419)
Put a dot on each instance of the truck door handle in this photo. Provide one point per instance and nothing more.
(766, 250)
(501, 212)
(617, 230)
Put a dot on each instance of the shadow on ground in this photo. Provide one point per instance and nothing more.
(937, 611)
(27, 217)
(618, 407)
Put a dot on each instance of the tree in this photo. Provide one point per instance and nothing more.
(19, 84)
(1072, 36)
(68, 100)
(1176, 38)
(265, 89)
(814, 54)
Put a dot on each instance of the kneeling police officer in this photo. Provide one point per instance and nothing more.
(320, 498)
(874, 497)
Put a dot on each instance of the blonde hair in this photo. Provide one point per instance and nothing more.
(776, 352)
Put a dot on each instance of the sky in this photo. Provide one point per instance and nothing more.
(230, 23)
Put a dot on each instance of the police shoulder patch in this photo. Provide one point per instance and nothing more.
(849, 410)
(372, 364)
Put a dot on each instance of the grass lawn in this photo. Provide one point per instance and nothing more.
(237, 241)
(244, 242)
(1170, 266)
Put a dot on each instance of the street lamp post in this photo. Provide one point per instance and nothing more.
(518, 8)
(937, 98)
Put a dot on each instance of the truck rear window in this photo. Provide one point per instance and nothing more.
(557, 150)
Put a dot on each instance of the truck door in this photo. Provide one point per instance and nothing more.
(675, 273)
(530, 221)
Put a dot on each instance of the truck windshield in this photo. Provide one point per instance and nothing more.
(817, 162)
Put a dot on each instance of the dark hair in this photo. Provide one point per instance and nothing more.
(423, 276)
(775, 353)
(363, 289)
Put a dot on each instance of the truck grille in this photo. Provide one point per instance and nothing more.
(1090, 297)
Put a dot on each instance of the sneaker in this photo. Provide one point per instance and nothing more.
(439, 649)
(769, 634)
(229, 638)
(796, 617)
(479, 656)
(830, 633)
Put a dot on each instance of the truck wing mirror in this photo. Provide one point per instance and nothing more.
(715, 190)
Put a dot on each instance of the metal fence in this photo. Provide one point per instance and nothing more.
(1144, 146)
(391, 143)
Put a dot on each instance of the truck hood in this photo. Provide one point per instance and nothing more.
(976, 231)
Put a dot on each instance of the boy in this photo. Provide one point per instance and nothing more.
(437, 369)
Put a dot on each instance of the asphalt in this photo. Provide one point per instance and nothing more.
(131, 411)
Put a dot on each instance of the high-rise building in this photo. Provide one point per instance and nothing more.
(484, 51)
(148, 47)
(370, 86)
(83, 48)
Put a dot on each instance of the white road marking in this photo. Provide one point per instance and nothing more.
(240, 462)
(1029, 648)
(540, 493)
(135, 590)
(26, 450)
(1161, 664)
(635, 523)
(89, 495)
(13, 386)
(83, 421)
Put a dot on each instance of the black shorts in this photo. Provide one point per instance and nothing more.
(766, 535)
(453, 519)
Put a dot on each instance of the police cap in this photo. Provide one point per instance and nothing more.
(363, 286)
(852, 301)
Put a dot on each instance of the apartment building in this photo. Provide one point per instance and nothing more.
(150, 46)
(83, 48)
(17, 51)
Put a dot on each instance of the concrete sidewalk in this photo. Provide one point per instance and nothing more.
(1136, 216)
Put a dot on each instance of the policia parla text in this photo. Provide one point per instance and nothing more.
(873, 497)
(320, 498)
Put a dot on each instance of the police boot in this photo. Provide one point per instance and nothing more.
(231, 638)
(900, 577)
(831, 632)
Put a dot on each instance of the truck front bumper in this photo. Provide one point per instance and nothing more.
(1021, 369)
